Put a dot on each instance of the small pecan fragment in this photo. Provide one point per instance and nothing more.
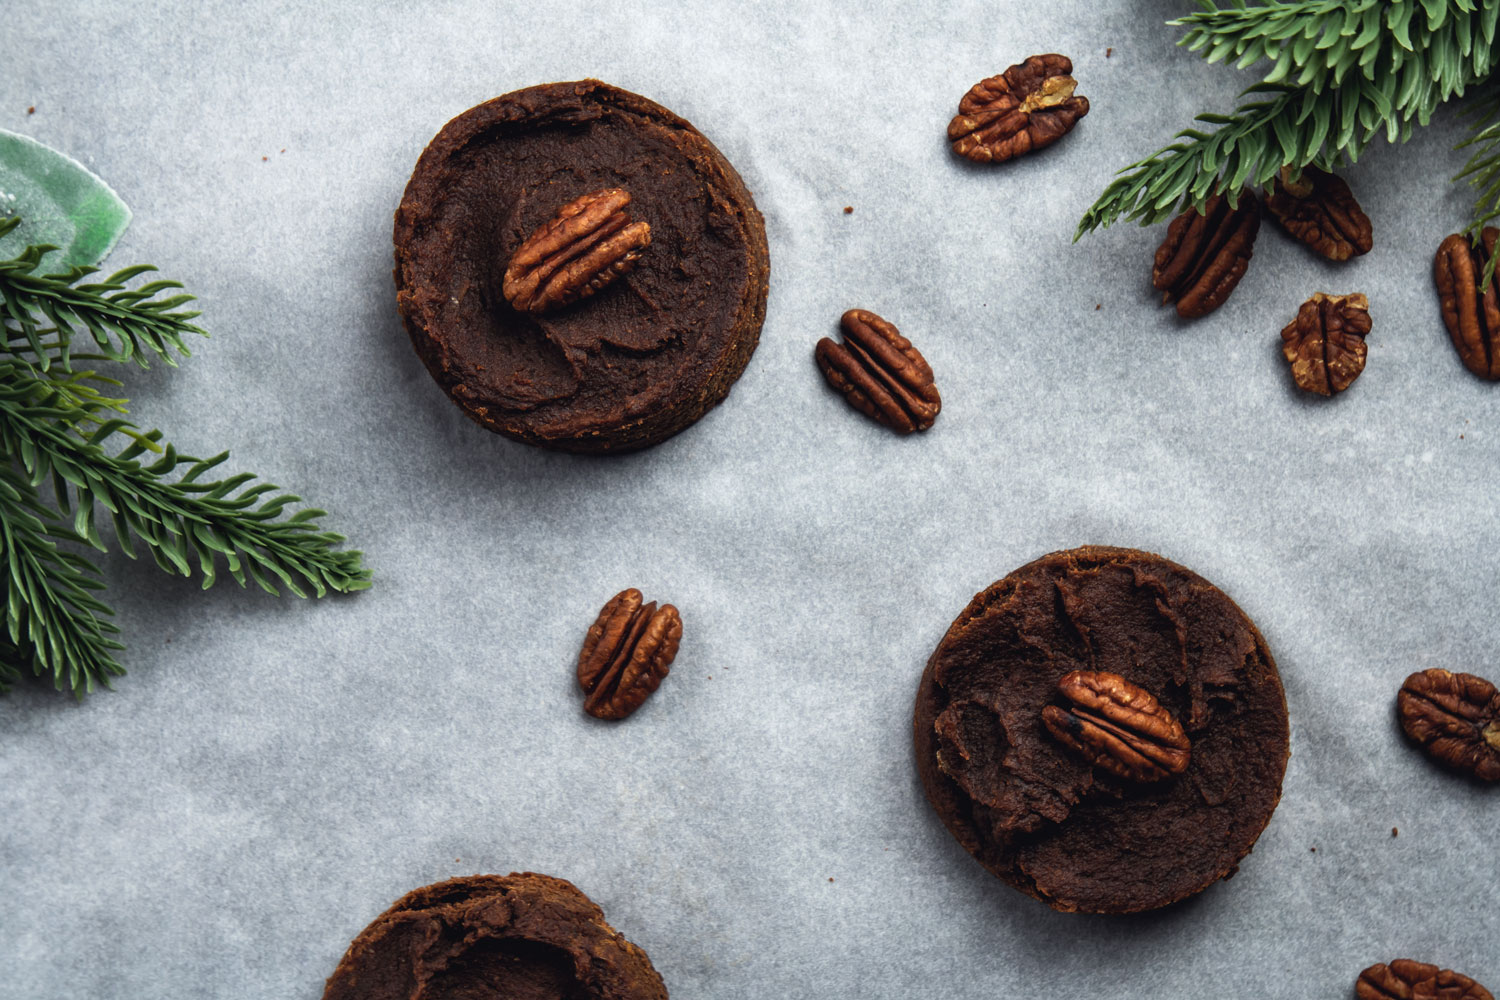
(1405, 979)
(626, 654)
(1318, 209)
(588, 244)
(1205, 254)
(1029, 106)
(1455, 718)
(1325, 344)
(880, 373)
(1471, 314)
(1117, 726)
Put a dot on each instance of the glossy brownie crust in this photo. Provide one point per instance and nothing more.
(523, 936)
(1038, 816)
(628, 367)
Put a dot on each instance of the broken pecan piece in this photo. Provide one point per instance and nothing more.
(626, 654)
(1117, 726)
(588, 244)
(1405, 979)
(1205, 254)
(1471, 314)
(1318, 209)
(880, 373)
(1029, 106)
(1325, 344)
(1455, 718)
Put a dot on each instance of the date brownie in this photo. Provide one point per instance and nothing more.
(622, 360)
(1104, 730)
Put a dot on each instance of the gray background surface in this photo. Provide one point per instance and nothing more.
(271, 774)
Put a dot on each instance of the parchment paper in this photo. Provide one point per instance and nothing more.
(272, 774)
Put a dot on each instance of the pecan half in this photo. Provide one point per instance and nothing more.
(1325, 344)
(1029, 106)
(1117, 726)
(1405, 979)
(1455, 718)
(880, 373)
(588, 244)
(1205, 254)
(1471, 314)
(1318, 209)
(626, 654)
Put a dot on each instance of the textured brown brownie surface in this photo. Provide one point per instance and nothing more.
(1039, 816)
(620, 370)
(521, 936)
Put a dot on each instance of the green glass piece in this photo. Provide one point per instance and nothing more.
(60, 201)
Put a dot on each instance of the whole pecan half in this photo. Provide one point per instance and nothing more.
(588, 244)
(1318, 209)
(1029, 106)
(1205, 254)
(626, 654)
(1471, 314)
(1117, 726)
(1325, 344)
(1455, 718)
(1405, 979)
(880, 373)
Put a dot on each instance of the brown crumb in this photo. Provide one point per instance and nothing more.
(830, 878)
(848, 209)
(1098, 307)
(263, 159)
(31, 110)
(283, 149)
(1393, 831)
(1313, 849)
(1108, 53)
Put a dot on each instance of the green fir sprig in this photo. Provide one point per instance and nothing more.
(1342, 73)
(57, 425)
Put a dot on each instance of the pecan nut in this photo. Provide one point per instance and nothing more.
(626, 654)
(1029, 106)
(1325, 344)
(1471, 314)
(1117, 726)
(1455, 718)
(1405, 979)
(880, 373)
(1205, 254)
(588, 244)
(1318, 209)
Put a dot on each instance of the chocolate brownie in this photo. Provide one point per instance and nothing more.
(1114, 809)
(618, 370)
(524, 936)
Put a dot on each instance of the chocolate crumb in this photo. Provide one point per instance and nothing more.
(848, 209)
(830, 878)
(1313, 849)
(1393, 831)
(263, 159)
(1108, 53)
(31, 110)
(1098, 306)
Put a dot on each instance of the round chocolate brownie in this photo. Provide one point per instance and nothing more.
(525, 936)
(1104, 730)
(621, 360)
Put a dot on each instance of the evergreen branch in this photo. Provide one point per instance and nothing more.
(1434, 47)
(236, 519)
(1482, 170)
(125, 323)
(1408, 65)
(53, 621)
(1285, 127)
